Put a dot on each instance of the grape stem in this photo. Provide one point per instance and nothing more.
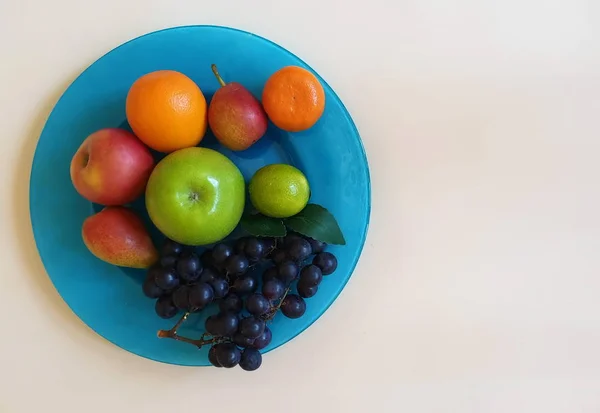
(269, 316)
(202, 341)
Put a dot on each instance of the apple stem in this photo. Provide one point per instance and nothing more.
(217, 75)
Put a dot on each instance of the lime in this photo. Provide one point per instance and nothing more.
(279, 190)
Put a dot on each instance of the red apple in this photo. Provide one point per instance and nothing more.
(111, 167)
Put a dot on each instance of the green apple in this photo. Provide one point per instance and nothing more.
(195, 196)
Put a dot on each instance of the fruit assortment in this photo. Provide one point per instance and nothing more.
(196, 197)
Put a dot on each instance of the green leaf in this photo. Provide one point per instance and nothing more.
(263, 226)
(316, 222)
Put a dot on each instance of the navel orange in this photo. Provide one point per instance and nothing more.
(293, 99)
(166, 110)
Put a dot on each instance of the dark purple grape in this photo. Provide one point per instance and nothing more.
(263, 340)
(231, 302)
(212, 357)
(165, 308)
(252, 327)
(226, 323)
(189, 267)
(171, 247)
(181, 297)
(220, 253)
(310, 275)
(220, 286)
(269, 244)
(254, 249)
(168, 261)
(279, 256)
(201, 295)
(153, 270)
(287, 272)
(307, 291)
(269, 274)
(251, 359)
(208, 275)
(290, 238)
(299, 249)
(227, 354)
(242, 341)
(211, 326)
(316, 246)
(166, 279)
(150, 288)
(293, 306)
(206, 259)
(326, 261)
(245, 285)
(273, 289)
(257, 304)
(240, 245)
(236, 265)
(223, 324)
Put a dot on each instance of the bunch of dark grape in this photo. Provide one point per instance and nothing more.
(292, 269)
(179, 281)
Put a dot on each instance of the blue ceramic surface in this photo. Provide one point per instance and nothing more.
(109, 299)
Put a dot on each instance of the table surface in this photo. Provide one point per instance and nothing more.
(478, 287)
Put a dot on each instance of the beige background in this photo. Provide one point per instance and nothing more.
(478, 288)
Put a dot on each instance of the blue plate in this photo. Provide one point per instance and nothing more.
(109, 299)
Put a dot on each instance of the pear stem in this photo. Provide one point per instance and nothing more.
(217, 75)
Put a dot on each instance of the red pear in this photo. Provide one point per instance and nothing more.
(118, 236)
(235, 116)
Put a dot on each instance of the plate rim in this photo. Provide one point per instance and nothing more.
(259, 37)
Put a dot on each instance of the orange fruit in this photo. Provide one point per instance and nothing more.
(293, 99)
(166, 110)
